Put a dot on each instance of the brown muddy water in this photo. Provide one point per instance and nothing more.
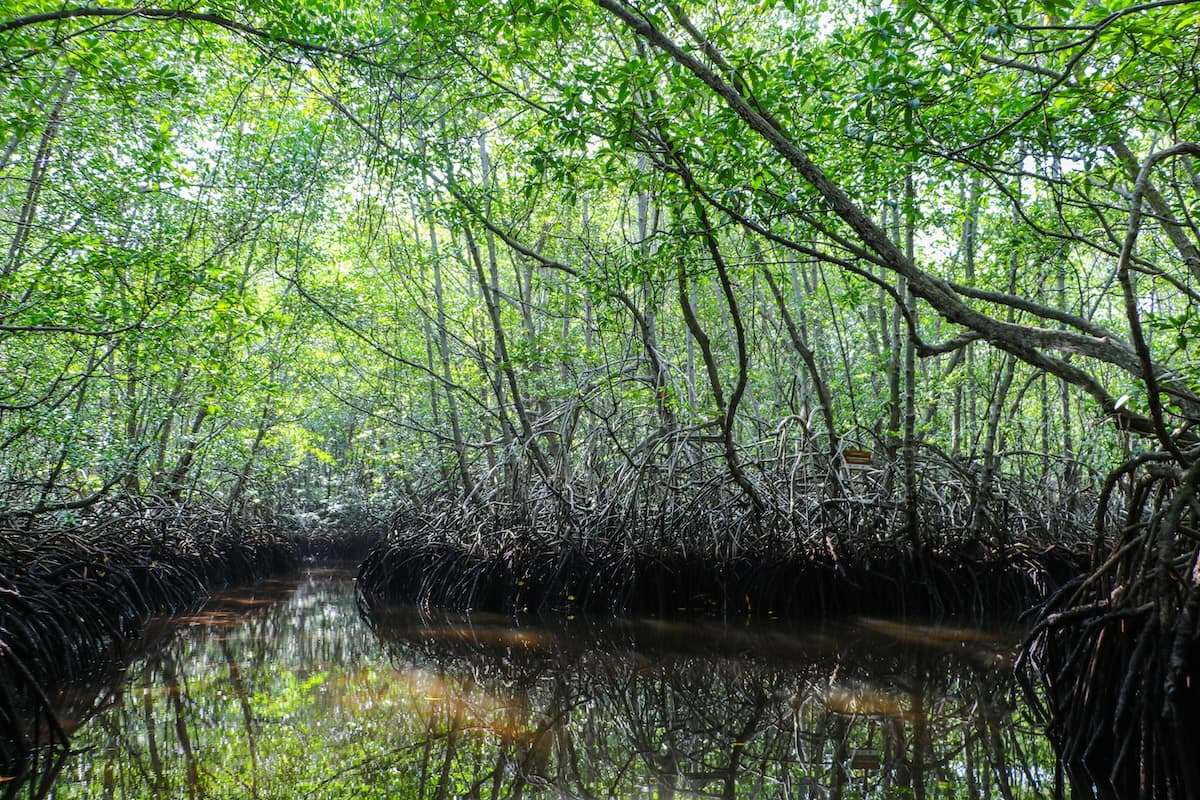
(284, 690)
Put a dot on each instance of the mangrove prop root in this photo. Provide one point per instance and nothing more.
(1113, 662)
(695, 546)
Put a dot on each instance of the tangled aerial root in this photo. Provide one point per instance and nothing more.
(1113, 663)
(671, 535)
(609, 571)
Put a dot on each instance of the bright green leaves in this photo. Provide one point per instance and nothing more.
(524, 28)
(174, 166)
(1176, 337)
(264, 222)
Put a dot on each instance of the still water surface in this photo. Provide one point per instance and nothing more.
(283, 690)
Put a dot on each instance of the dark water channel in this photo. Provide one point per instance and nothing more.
(284, 691)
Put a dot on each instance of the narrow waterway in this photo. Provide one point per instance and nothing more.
(285, 690)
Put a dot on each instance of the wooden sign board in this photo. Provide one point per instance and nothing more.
(864, 759)
(857, 459)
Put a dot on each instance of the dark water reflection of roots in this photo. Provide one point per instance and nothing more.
(610, 709)
(282, 691)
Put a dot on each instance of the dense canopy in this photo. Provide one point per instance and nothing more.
(555, 267)
(312, 254)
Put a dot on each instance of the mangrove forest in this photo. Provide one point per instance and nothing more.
(600, 399)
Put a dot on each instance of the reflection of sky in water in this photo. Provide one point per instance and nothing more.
(283, 691)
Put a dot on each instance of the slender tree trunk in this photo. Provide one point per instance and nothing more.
(589, 320)
(1070, 472)
(133, 427)
(490, 284)
(980, 518)
(824, 396)
(727, 411)
(693, 396)
(648, 329)
(243, 475)
(909, 438)
(166, 428)
(970, 235)
(491, 288)
(37, 177)
(890, 311)
(443, 344)
(52, 477)
(175, 481)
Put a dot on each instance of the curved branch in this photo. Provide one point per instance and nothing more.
(171, 14)
(1037, 309)
(1022, 341)
(1133, 315)
(1179, 238)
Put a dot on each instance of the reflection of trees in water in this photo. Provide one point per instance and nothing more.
(195, 716)
(824, 716)
(139, 722)
(297, 699)
(31, 764)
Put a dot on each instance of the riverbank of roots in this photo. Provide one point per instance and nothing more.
(700, 549)
(72, 596)
(1114, 662)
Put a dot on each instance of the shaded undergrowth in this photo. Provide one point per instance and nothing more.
(73, 596)
(339, 535)
(827, 543)
(522, 574)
